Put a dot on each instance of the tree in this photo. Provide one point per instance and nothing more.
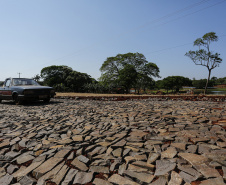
(214, 80)
(37, 78)
(221, 81)
(64, 78)
(127, 77)
(129, 68)
(175, 83)
(53, 75)
(200, 84)
(144, 82)
(159, 84)
(205, 57)
(76, 81)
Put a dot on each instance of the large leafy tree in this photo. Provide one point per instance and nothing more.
(64, 78)
(175, 83)
(127, 77)
(53, 75)
(221, 81)
(128, 70)
(76, 81)
(37, 77)
(204, 56)
(200, 84)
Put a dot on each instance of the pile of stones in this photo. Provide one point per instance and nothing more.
(113, 142)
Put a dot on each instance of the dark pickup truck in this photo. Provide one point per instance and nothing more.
(20, 89)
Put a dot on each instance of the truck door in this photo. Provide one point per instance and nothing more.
(6, 92)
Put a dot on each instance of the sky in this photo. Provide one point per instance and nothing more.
(82, 34)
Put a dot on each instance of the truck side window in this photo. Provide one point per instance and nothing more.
(7, 83)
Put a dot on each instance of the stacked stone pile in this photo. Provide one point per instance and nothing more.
(110, 143)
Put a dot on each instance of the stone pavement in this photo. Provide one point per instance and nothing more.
(113, 142)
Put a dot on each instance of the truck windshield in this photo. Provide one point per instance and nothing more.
(23, 81)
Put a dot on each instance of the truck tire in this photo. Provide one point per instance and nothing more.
(16, 100)
(47, 100)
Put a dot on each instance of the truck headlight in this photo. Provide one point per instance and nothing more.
(52, 91)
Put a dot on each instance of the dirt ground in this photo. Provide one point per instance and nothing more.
(123, 97)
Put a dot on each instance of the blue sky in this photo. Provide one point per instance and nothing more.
(83, 33)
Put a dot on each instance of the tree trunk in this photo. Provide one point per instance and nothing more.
(127, 90)
(207, 81)
(144, 90)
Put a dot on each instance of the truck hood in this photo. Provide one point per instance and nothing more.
(32, 87)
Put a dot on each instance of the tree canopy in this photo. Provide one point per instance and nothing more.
(174, 83)
(219, 81)
(200, 84)
(53, 75)
(204, 56)
(64, 78)
(128, 70)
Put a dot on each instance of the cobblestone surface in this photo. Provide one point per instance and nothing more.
(113, 142)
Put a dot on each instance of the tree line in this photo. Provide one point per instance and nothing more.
(123, 72)
(65, 79)
(175, 83)
(119, 75)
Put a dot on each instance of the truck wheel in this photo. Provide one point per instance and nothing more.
(46, 100)
(16, 100)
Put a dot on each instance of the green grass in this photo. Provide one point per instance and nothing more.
(220, 89)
